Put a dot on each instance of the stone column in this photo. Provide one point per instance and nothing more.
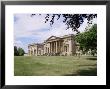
(53, 47)
(50, 47)
(37, 51)
(56, 47)
(33, 51)
(70, 47)
(62, 47)
(28, 52)
(44, 48)
(59, 46)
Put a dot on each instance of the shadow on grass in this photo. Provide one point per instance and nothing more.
(93, 58)
(89, 65)
(89, 72)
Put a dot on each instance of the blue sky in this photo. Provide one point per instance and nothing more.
(33, 29)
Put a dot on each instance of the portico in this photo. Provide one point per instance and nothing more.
(55, 46)
(62, 45)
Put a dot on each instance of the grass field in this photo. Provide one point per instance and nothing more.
(55, 66)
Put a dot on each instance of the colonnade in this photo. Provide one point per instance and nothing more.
(55, 47)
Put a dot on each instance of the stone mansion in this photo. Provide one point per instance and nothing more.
(64, 45)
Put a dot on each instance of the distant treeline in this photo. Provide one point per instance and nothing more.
(18, 51)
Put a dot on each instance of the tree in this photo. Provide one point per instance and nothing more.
(21, 52)
(73, 21)
(15, 51)
(88, 39)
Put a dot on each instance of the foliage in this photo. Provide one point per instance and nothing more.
(88, 39)
(18, 52)
(73, 21)
(15, 51)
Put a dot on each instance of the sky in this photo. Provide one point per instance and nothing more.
(33, 29)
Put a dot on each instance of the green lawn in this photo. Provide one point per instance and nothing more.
(55, 66)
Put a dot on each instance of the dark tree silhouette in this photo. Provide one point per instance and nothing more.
(73, 21)
(15, 51)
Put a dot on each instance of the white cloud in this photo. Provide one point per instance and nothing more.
(27, 26)
(18, 43)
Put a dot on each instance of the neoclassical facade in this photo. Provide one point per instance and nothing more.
(35, 49)
(64, 45)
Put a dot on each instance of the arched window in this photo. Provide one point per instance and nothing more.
(34, 51)
(48, 50)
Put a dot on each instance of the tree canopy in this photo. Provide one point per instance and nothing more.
(88, 39)
(20, 51)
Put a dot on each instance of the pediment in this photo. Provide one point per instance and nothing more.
(52, 38)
